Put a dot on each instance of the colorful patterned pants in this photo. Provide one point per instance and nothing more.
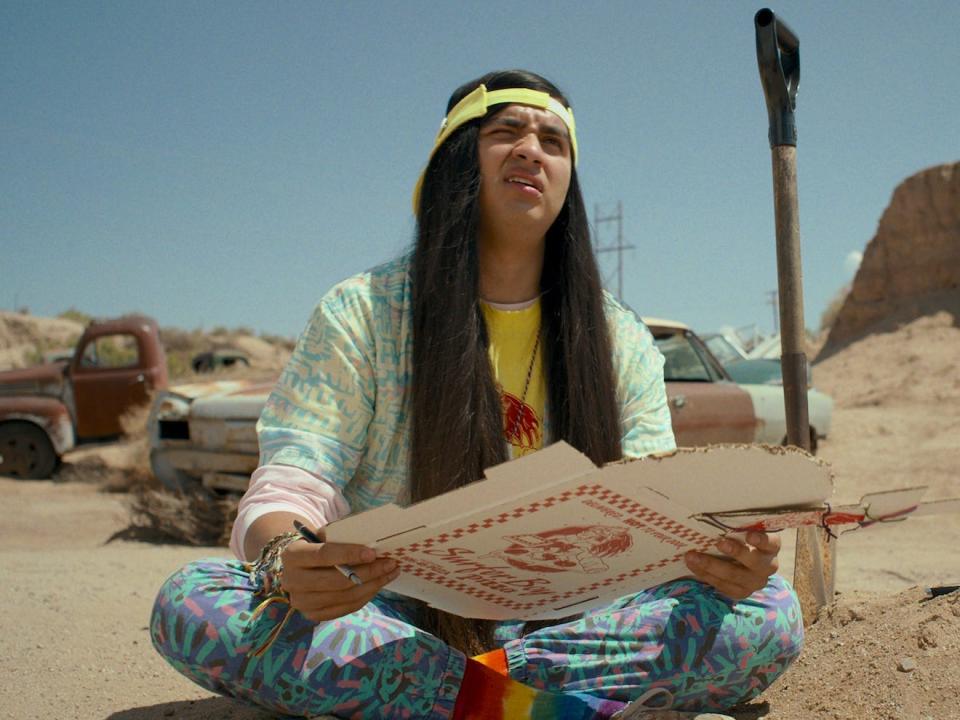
(376, 663)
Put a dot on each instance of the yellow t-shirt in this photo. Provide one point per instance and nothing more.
(515, 354)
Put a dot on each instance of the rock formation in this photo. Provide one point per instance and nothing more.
(911, 267)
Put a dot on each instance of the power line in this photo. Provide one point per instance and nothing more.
(773, 301)
(618, 247)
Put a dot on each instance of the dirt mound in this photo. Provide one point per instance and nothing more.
(24, 338)
(911, 267)
(885, 658)
(896, 423)
(916, 363)
(266, 354)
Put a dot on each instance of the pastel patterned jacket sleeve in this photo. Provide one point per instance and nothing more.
(283, 488)
(638, 364)
(339, 409)
(319, 412)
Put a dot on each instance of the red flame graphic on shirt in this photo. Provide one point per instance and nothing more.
(521, 426)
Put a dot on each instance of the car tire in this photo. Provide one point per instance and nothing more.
(26, 451)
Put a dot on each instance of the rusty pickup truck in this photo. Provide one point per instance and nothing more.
(46, 410)
(205, 433)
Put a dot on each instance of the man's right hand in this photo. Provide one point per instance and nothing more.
(319, 590)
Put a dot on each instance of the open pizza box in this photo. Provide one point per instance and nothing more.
(550, 534)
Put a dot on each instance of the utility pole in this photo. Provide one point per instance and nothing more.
(773, 301)
(618, 247)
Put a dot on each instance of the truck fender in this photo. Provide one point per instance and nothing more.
(49, 414)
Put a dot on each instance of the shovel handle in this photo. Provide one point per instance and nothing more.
(786, 38)
(778, 57)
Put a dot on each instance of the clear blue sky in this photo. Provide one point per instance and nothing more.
(225, 163)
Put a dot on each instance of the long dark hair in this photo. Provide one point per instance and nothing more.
(457, 425)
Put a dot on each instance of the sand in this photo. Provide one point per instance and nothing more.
(79, 581)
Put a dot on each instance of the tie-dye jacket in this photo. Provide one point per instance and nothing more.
(338, 409)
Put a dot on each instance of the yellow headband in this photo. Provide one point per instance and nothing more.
(476, 104)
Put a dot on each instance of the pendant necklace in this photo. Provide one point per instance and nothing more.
(526, 386)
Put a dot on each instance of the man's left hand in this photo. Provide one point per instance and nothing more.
(745, 567)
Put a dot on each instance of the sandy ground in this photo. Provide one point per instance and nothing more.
(78, 581)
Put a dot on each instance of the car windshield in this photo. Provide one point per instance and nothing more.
(722, 349)
(681, 361)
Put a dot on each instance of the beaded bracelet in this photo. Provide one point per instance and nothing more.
(266, 576)
(265, 571)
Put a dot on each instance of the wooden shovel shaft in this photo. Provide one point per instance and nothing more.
(813, 565)
(790, 284)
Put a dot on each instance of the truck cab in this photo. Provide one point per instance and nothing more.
(46, 410)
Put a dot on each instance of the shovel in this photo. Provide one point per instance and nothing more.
(778, 57)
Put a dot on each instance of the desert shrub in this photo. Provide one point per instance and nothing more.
(76, 315)
(42, 345)
(175, 339)
(194, 517)
(178, 365)
(180, 346)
